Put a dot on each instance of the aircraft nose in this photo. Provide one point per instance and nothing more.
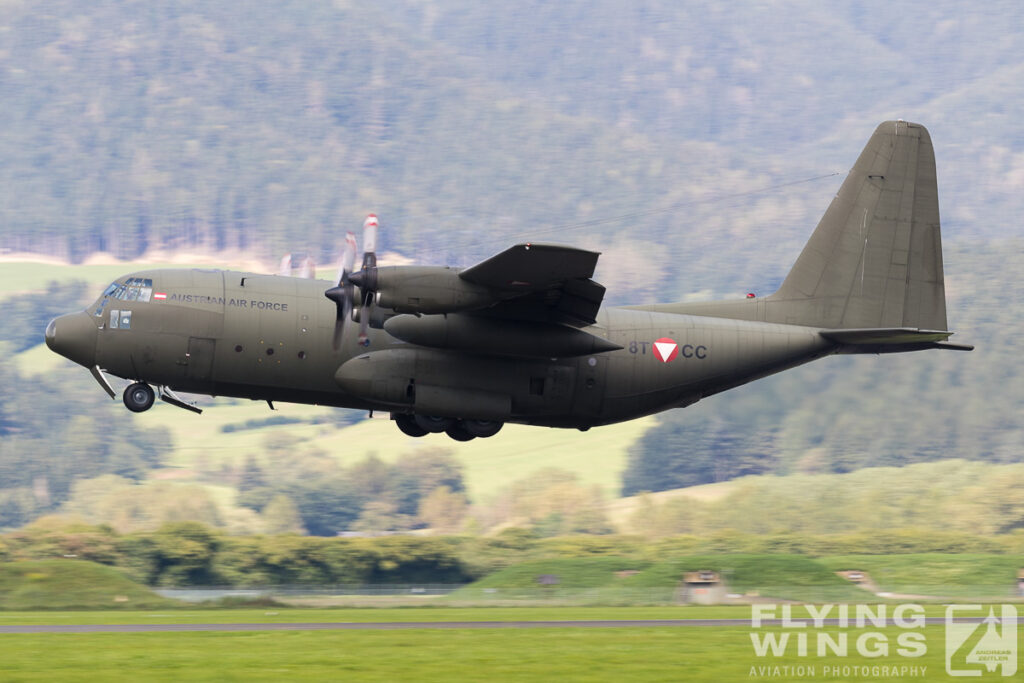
(74, 337)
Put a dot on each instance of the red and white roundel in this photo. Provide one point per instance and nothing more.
(666, 349)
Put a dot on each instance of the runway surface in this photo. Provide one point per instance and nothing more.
(398, 626)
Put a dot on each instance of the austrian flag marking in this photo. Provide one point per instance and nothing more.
(159, 296)
(666, 349)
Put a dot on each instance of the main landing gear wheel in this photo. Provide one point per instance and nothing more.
(139, 397)
(433, 424)
(482, 428)
(458, 432)
(407, 423)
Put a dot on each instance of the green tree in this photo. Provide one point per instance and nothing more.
(281, 516)
(443, 510)
(327, 507)
(183, 553)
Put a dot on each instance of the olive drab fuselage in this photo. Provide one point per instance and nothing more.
(248, 335)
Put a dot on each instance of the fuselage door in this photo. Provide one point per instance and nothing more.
(199, 365)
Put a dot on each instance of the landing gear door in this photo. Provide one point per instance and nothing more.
(590, 386)
(199, 365)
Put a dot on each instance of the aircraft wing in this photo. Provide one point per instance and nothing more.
(542, 282)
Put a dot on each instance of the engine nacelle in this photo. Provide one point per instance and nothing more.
(425, 290)
(496, 336)
(428, 382)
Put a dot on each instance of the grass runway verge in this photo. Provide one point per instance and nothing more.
(614, 654)
(717, 653)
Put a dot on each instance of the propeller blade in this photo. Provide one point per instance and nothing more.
(307, 270)
(285, 269)
(339, 326)
(364, 319)
(347, 304)
(343, 294)
(343, 308)
(370, 226)
(348, 258)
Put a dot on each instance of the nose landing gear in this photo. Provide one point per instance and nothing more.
(139, 397)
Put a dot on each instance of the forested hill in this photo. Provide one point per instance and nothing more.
(273, 126)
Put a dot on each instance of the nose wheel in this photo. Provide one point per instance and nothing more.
(139, 397)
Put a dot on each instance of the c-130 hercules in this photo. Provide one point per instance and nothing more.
(521, 337)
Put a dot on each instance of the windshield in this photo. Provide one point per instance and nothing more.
(132, 289)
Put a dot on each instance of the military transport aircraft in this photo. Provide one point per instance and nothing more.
(521, 337)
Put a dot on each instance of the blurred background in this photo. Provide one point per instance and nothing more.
(695, 144)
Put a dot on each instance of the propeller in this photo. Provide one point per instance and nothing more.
(343, 293)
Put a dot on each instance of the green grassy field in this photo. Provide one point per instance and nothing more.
(191, 614)
(182, 613)
(573, 654)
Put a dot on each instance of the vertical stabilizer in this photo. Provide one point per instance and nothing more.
(875, 259)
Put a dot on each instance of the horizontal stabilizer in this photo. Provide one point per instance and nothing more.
(891, 339)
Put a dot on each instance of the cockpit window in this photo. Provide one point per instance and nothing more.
(133, 289)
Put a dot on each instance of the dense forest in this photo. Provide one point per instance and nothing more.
(133, 127)
(695, 146)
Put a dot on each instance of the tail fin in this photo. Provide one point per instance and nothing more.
(875, 259)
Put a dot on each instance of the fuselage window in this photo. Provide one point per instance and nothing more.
(126, 320)
(115, 318)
